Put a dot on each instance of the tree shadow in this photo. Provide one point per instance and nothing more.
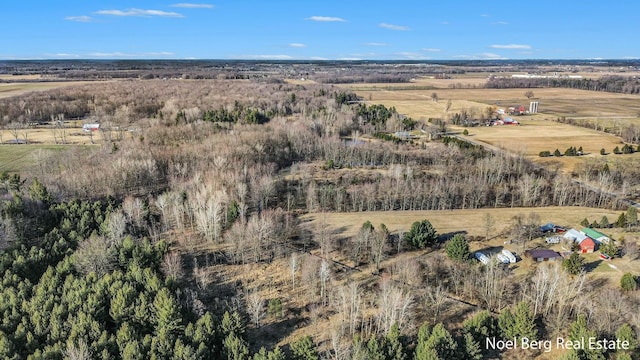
(447, 236)
(590, 266)
(269, 335)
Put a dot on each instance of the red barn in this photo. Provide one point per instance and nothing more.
(587, 246)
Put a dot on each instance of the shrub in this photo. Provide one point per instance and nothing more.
(628, 282)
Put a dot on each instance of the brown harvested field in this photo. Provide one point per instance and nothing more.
(469, 220)
(534, 136)
(538, 132)
(74, 136)
(21, 88)
(45, 136)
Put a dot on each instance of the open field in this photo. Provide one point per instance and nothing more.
(473, 223)
(16, 158)
(534, 136)
(537, 133)
(20, 88)
(74, 136)
(469, 220)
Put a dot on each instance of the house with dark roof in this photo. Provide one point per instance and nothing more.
(539, 255)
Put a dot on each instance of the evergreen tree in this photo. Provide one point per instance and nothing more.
(375, 350)
(481, 326)
(422, 352)
(235, 348)
(304, 349)
(458, 248)
(472, 349)
(574, 264)
(604, 222)
(578, 331)
(441, 341)
(525, 325)
(621, 221)
(507, 324)
(421, 234)
(232, 324)
(631, 216)
(626, 333)
(557, 153)
(392, 344)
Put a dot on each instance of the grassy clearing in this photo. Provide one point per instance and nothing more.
(470, 220)
(17, 158)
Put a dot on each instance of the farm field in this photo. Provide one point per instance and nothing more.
(535, 135)
(21, 88)
(17, 158)
(449, 221)
(45, 136)
(537, 132)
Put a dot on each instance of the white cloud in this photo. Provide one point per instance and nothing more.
(118, 54)
(484, 15)
(349, 59)
(511, 46)
(375, 44)
(82, 18)
(318, 58)
(63, 55)
(411, 55)
(431, 50)
(266, 57)
(140, 12)
(297, 45)
(394, 27)
(326, 19)
(500, 23)
(482, 56)
(444, 23)
(491, 56)
(193, 6)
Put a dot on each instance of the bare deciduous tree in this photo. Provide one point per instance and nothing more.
(256, 308)
(324, 275)
(172, 265)
(394, 307)
(293, 268)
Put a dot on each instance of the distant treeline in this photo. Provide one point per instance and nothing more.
(615, 84)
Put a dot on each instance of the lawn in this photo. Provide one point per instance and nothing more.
(17, 158)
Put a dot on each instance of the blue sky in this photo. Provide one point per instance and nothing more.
(329, 29)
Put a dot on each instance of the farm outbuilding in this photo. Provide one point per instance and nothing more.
(575, 235)
(587, 246)
(509, 255)
(539, 255)
(599, 237)
(481, 257)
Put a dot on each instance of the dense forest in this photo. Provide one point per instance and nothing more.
(139, 247)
